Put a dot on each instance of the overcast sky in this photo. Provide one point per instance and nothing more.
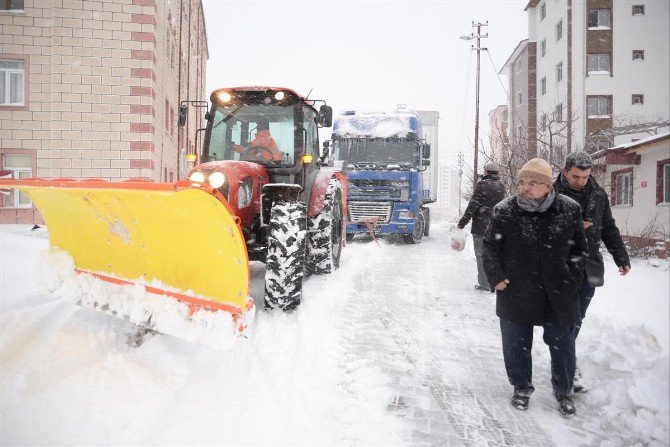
(370, 55)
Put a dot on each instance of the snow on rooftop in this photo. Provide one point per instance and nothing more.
(642, 141)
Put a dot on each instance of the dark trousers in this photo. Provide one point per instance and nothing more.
(517, 340)
(478, 243)
(585, 294)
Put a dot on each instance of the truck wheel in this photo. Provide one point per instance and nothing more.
(426, 231)
(285, 263)
(325, 233)
(416, 236)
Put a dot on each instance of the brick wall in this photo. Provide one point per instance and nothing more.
(102, 86)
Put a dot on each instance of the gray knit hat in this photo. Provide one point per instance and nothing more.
(579, 159)
(537, 169)
(491, 167)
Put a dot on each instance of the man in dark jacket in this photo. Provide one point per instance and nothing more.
(488, 192)
(534, 251)
(576, 182)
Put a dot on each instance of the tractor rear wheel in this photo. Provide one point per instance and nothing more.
(285, 262)
(325, 233)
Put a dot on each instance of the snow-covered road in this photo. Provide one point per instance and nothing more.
(395, 348)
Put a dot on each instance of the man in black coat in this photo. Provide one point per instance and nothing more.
(576, 182)
(534, 251)
(488, 192)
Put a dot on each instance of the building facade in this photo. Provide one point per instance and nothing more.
(637, 178)
(601, 64)
(91, 89)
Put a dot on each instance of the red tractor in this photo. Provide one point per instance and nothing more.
(261, 151)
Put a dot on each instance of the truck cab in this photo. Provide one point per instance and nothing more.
(384, 156)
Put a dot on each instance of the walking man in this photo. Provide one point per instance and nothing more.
(534, 251)
(576, 182)
(488, 192)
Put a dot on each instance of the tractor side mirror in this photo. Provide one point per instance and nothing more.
(183, 112)
(426, 161)
(326, 115)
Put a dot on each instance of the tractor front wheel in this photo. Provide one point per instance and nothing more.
(285, 262)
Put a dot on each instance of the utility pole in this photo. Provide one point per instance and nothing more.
(477, 36)
(460, 181)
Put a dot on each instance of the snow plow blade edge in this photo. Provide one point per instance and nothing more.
(178, 234)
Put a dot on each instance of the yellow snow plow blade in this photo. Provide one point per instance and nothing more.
(182, 235)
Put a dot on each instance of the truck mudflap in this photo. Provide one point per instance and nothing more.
(181, 241)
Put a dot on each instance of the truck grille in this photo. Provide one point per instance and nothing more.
(360, 211)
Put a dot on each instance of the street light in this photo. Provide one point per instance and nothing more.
(478, 36)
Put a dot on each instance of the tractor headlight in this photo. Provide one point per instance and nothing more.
(280, 95)
(406, 215)
(244, 193)
(197, 177)
(216, 179)
(224, 97)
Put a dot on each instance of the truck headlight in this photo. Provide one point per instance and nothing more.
(406, 215)
(216, 179)
(197, 177)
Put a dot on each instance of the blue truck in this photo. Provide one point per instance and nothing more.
(391, 177)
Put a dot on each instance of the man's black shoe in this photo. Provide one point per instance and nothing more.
(566, 407)
(520, 401)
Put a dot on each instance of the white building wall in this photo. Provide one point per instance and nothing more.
(556, 51)
(648, 32)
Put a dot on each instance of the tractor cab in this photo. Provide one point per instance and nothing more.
(274, 127)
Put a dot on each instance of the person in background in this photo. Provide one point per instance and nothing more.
(262, 147)
(576, 182)
(488, 192)
(534, 251)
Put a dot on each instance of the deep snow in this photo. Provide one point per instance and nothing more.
(395, 348)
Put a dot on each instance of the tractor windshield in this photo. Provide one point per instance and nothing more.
(382, 151)
(258, 132)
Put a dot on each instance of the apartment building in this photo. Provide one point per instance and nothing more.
(521, 123)
(499, 137)
(92, 89)
(601, 64)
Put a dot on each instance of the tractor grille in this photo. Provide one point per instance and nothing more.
(360, 211)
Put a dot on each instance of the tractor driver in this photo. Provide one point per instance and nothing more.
(263, 147)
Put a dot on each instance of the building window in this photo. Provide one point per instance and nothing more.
(638, 10)
(19, 167)
(11, 5)
(559, 30)
(543, 122)
(637, 99)
(663, 181)
(543, 47)
(598, 106)
(543, 11)
(559, 72)
(638, 55)
(543, 85)
(623, 187)
(12, 82)
(599, 63)
(600, 18)
(558, 113)
(519, 98)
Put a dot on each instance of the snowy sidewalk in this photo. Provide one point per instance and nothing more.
(439, 340)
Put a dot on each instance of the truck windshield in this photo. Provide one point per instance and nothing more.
(377, 150)
(259, 133)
